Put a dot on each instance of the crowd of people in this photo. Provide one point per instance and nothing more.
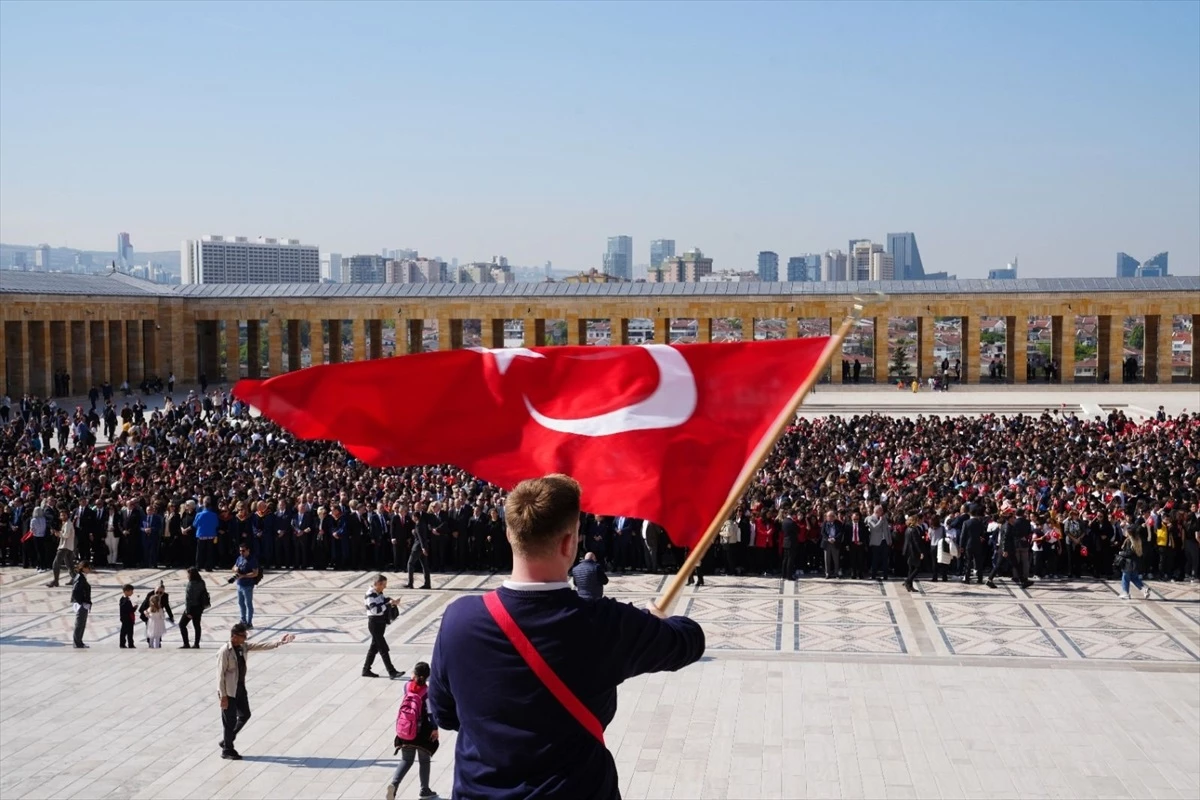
(836, 498)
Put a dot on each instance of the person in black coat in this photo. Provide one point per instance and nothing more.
(195, 601)
(912, 550)
(425, 524)
(589, 577)
(973, 532)
(81, 599)
(791, 543)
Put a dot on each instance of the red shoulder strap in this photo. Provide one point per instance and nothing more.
(545, 674)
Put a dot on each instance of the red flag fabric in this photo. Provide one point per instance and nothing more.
(654, 432)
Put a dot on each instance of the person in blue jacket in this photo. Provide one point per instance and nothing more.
(517, 737)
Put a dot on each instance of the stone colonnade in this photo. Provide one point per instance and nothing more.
(223, 339)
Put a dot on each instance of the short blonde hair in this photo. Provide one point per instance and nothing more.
(539, 510)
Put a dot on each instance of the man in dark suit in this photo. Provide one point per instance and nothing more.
(400, 532)
(831, 543)
(378, 524)
(422, 533)
(856, 541)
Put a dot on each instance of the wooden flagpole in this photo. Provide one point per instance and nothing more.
(670, 594)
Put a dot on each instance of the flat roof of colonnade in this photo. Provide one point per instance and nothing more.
(119, 285)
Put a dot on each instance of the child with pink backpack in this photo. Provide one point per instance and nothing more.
(416, 735)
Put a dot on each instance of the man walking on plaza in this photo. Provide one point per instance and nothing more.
(420, 546)
(380, 611)
(589, 577)
(518, 737)
(231, 685)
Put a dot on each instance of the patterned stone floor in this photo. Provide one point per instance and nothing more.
(809, 689)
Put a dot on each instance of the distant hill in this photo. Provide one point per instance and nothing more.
(63, 258)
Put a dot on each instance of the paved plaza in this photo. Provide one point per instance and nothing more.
(809, 689)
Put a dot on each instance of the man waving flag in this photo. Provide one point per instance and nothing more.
(653, 431)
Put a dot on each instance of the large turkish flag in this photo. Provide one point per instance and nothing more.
(655, 432)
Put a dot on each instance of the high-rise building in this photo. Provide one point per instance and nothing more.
(331, 267)
(835, 266)
(850, 247)
(860, 259)
(236, 259)
(365, 268)
(1009, 273)
(1127, 266)
(41, 258)
(804, 268)
(691, 267)
(906, 256)
(768, 266)
(660, 250)
(618, 259)
(20, 260)
(1155, 267)
(124, 252)
(882, 266)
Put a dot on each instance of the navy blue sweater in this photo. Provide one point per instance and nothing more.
(515, 740)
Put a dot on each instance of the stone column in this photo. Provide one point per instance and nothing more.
(294, 348)
(705, 329)
(275, 346)
(1157, 357)
(336, 353)
(209, 350)
(450, 333)
(1056, 339)
(1195, 355)
(149, 339)
(80, 363)
(662, 330)
(576, 330)
(60, 350)
(118, 366)
(534, 332)
(39, 359)
(375, 329)
(189, 363)
(16, 335)
(791, 329)
(135, 363)
(1066, 356)
(925, 341)
(98, 348)
(416, 336)
(493, 333)
(747, 329)
(6, 381)
(970, 349)
(1109, 336)
(1016, 331)
(254, 348)
(233, 350)
(358, 335)
(316, 341)
(880, 348)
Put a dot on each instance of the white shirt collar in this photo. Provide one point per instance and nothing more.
(536, 586)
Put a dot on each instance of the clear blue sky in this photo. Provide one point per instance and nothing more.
(1062, 132)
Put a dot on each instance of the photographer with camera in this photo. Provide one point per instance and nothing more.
(380, 612)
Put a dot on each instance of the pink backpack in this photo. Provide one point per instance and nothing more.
(408, 718)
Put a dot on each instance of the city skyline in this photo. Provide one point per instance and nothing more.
(990, 160)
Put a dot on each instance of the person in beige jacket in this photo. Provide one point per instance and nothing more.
(231, 684)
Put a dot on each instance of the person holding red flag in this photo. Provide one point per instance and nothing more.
(528, 674)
